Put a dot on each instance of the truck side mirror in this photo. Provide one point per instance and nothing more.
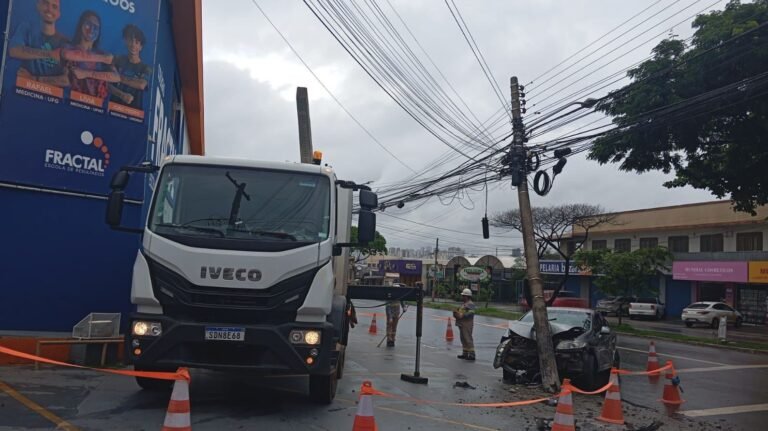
(115, 208)
(368, 199)
(366, 226)
(120, 180)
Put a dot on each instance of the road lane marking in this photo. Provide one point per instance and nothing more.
(750, 408)
(673, 356)
(723, 368)
(407, 413)
(37, 408)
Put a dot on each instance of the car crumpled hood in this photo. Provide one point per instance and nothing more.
(525, 330)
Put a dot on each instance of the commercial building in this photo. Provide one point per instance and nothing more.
(86, 87)
(719, 254)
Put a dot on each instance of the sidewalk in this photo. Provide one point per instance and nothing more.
(747, 333)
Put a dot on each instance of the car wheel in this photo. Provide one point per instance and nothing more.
(738, 322)
(632, 317)
(507, 376)
(589, 377)
(689, 324)
(715, 323)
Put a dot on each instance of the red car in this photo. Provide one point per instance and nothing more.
(565, 298)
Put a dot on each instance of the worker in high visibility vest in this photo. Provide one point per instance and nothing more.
(465, 320)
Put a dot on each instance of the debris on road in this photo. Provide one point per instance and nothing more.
(465, 385)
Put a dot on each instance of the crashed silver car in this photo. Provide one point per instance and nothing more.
(585, 348)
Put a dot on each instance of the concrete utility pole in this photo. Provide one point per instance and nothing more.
(305, 126)
(519, 161)
(434, 278)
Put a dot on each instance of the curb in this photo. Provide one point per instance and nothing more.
(697, 343)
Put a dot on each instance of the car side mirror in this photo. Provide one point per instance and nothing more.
(120, 180)
(366, 226)
(115, 208)
(368, 199)
(605, 330)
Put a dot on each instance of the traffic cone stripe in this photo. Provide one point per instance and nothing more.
(567, 409)
(175, 406)
(610, 395)
(563, 419)
(177, 421)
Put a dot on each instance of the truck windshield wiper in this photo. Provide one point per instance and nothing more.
(195, 228)
(282, 235)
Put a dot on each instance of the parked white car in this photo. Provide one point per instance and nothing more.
(646, 307)
(709, 313)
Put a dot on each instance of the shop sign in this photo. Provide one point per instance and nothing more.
(758, 272)
(710, 271)
(558, 267)
(473, 273)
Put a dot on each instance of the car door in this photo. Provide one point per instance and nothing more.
(604, 344)
(721, 311)
(730, 313)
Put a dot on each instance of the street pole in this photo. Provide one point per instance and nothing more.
(434, 278)
(549, 377)
(305, 126)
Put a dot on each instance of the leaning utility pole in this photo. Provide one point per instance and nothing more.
(305, 127)
(434, 278)
(518, 160)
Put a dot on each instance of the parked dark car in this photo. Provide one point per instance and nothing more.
(585, 348)
(614, 304)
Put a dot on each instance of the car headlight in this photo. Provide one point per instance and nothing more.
(307, 336)
(149, 329)
(570, 345)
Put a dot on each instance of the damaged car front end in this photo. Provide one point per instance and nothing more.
(585, 349)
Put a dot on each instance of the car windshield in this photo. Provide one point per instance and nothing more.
(698, 306)
(646, 300)
(572, 318)
(241, 204)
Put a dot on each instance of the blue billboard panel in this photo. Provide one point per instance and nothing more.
(75, 89)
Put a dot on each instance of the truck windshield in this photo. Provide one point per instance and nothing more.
(236, 204)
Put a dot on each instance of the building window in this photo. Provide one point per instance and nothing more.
(678, 244)
(649, 242)
(622, 244)
(711, 243)
(749, 241)
(599, 244)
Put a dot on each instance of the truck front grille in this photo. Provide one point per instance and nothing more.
(183, 300)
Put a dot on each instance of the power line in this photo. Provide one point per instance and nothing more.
(367, 132)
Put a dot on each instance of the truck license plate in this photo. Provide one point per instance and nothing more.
(224, 334)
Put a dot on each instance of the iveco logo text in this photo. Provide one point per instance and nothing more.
(241, 274)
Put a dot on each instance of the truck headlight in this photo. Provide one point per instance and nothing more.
(570, 345)
(312, 338)
(305, 336)
(151, 329)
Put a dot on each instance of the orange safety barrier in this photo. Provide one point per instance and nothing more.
(653, 362)
(671, 396)
(449, 331)
(177, 417)
(148, 374)
(372, 329)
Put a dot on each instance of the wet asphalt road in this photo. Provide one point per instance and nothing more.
(711, 378)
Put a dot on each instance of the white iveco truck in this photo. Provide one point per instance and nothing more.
(243, 267)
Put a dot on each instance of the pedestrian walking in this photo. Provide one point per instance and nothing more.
(465, 320)
(393, 316)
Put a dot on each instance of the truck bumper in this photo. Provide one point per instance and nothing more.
(265, 349)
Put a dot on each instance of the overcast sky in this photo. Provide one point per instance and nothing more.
(251, 76)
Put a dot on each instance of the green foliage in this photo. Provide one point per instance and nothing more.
(378, 246)
(623, 273)
(717, 143)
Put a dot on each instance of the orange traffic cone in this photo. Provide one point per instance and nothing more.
(612, 412)
(564, 414)
(671, 397)
(177, 417)
(653, 363)
(364, 420)
(372, 329)
(449, 331)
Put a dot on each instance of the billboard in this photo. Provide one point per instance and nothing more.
(76, 77)
(758, 272)
(402, 267)
(710, 271)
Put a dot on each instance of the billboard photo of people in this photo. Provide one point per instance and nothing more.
(76, 80)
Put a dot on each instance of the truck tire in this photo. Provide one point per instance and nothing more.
(322, 389)
(340, 362)
(153, 385)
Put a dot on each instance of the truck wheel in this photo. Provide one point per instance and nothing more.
(322, 389)
(154, 385)
(340, 363)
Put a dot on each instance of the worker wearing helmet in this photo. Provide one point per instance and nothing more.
(465, 320)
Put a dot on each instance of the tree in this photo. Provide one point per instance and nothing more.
(700, 110)
(377, 247)
(623, 273)
(553, 230)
